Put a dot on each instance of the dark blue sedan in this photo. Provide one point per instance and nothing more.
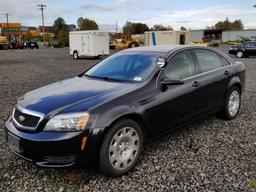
(104, 115)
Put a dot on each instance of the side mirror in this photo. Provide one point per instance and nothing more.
(172, 81)
(161, 62)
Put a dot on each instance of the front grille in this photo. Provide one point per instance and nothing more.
(25, 120)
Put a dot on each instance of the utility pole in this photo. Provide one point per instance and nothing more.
(7, 22)
(42, 7)
(116, 26)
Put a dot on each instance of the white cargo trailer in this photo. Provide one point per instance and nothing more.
(88, 43)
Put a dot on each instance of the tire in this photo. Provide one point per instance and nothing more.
(121, 148)
(232, 104)
(133, 44)
(75, 55)
(240, 54)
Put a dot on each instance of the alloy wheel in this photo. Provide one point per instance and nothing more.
(234, 103)
(240, 54)
(124, 148)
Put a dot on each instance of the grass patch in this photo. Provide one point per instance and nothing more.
(253, 184)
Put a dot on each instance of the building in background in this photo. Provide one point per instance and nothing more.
(238, 35)
(206, 35)
(48, 30)
(35, 35)
(166, 37)
(11, 30)
(223, 35)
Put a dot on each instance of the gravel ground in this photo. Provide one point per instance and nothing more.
(210, 155)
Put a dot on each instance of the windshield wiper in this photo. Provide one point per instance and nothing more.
(104, 77)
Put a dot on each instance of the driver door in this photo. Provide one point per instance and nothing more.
(178, 103)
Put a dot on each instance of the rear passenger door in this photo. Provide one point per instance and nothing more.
(213, 78)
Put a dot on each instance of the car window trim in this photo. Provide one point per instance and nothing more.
(198, 72)
(223, 60)
(206, 72)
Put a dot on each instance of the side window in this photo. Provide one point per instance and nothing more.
(208, 60)
(247, 45)
(181, 65)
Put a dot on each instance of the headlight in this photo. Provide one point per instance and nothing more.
(68, 122)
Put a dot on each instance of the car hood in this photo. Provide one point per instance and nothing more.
(69, 93)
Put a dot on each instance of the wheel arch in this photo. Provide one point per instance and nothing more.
(235, 81)
(75, 51)
(132, 116)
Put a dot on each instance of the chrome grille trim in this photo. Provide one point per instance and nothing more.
(28, 112)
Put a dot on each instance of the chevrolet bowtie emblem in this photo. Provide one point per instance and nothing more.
(21, 118)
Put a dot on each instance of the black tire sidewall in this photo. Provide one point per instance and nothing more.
(105, 164)
(75, 57)
(227, 113)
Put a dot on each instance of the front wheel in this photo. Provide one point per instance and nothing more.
(232, 104)
(240, 54)
(121, 148)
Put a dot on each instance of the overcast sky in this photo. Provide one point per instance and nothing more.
(196, 14)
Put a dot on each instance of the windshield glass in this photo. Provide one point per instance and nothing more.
(125, 67)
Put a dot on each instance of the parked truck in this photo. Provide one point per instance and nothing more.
(93, 43)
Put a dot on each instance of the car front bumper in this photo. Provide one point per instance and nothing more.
(53, 149)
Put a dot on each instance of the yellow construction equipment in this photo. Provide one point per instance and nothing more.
(3, 42)
(125, 42)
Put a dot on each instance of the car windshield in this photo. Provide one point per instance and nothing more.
(128, 66)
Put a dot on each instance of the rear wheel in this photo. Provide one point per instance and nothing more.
(240, 54)
(232, 104)
(121, 148)
(75, 55)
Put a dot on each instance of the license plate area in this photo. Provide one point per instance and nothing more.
(14, 143)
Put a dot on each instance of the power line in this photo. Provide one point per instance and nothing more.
(42, 7)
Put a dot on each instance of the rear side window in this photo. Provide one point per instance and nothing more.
(208, 60)
(249, 44)
(224, 61)
(181, 65)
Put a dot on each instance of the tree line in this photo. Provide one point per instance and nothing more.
(61, 28)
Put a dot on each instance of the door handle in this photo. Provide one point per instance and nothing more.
(196, 84)
(227, 73)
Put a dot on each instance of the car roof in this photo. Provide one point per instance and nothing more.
(157, 48)
(166, 50)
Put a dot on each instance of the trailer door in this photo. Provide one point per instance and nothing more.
(85, 44)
